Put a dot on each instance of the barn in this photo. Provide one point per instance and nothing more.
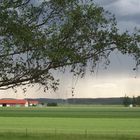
(14, 102)
(17, 102)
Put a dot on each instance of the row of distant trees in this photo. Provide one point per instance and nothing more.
(135, 101)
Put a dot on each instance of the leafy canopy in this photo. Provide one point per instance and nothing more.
(39, 37)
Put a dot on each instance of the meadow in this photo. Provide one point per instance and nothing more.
(70, 123)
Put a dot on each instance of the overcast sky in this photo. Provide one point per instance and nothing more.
(116, 81)
(127, 12)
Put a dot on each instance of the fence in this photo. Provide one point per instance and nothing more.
(85, 132)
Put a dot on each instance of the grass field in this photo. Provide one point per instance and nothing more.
(70, 123)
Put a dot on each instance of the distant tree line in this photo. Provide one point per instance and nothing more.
(135, 101)
(52, 104)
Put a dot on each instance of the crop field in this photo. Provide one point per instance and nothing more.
(70, 123)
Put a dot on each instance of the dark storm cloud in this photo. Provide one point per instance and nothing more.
(127, 12)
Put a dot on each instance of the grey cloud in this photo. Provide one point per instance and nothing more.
(127, 13)
(135, 18)
(105, 2)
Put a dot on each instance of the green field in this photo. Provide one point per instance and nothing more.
(70, 123)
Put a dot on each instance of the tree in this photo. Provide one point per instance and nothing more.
(126, 101)
(38, 38)
(134, 101)
(138, 100)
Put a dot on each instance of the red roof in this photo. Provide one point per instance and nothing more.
(4, 101)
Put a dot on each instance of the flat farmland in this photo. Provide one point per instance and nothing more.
(70, 122)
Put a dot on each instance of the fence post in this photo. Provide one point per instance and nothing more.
(26, 132)
(55, 131)
(86, 133)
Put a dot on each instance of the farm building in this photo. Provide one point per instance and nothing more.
(32, 102)
(15, 102)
